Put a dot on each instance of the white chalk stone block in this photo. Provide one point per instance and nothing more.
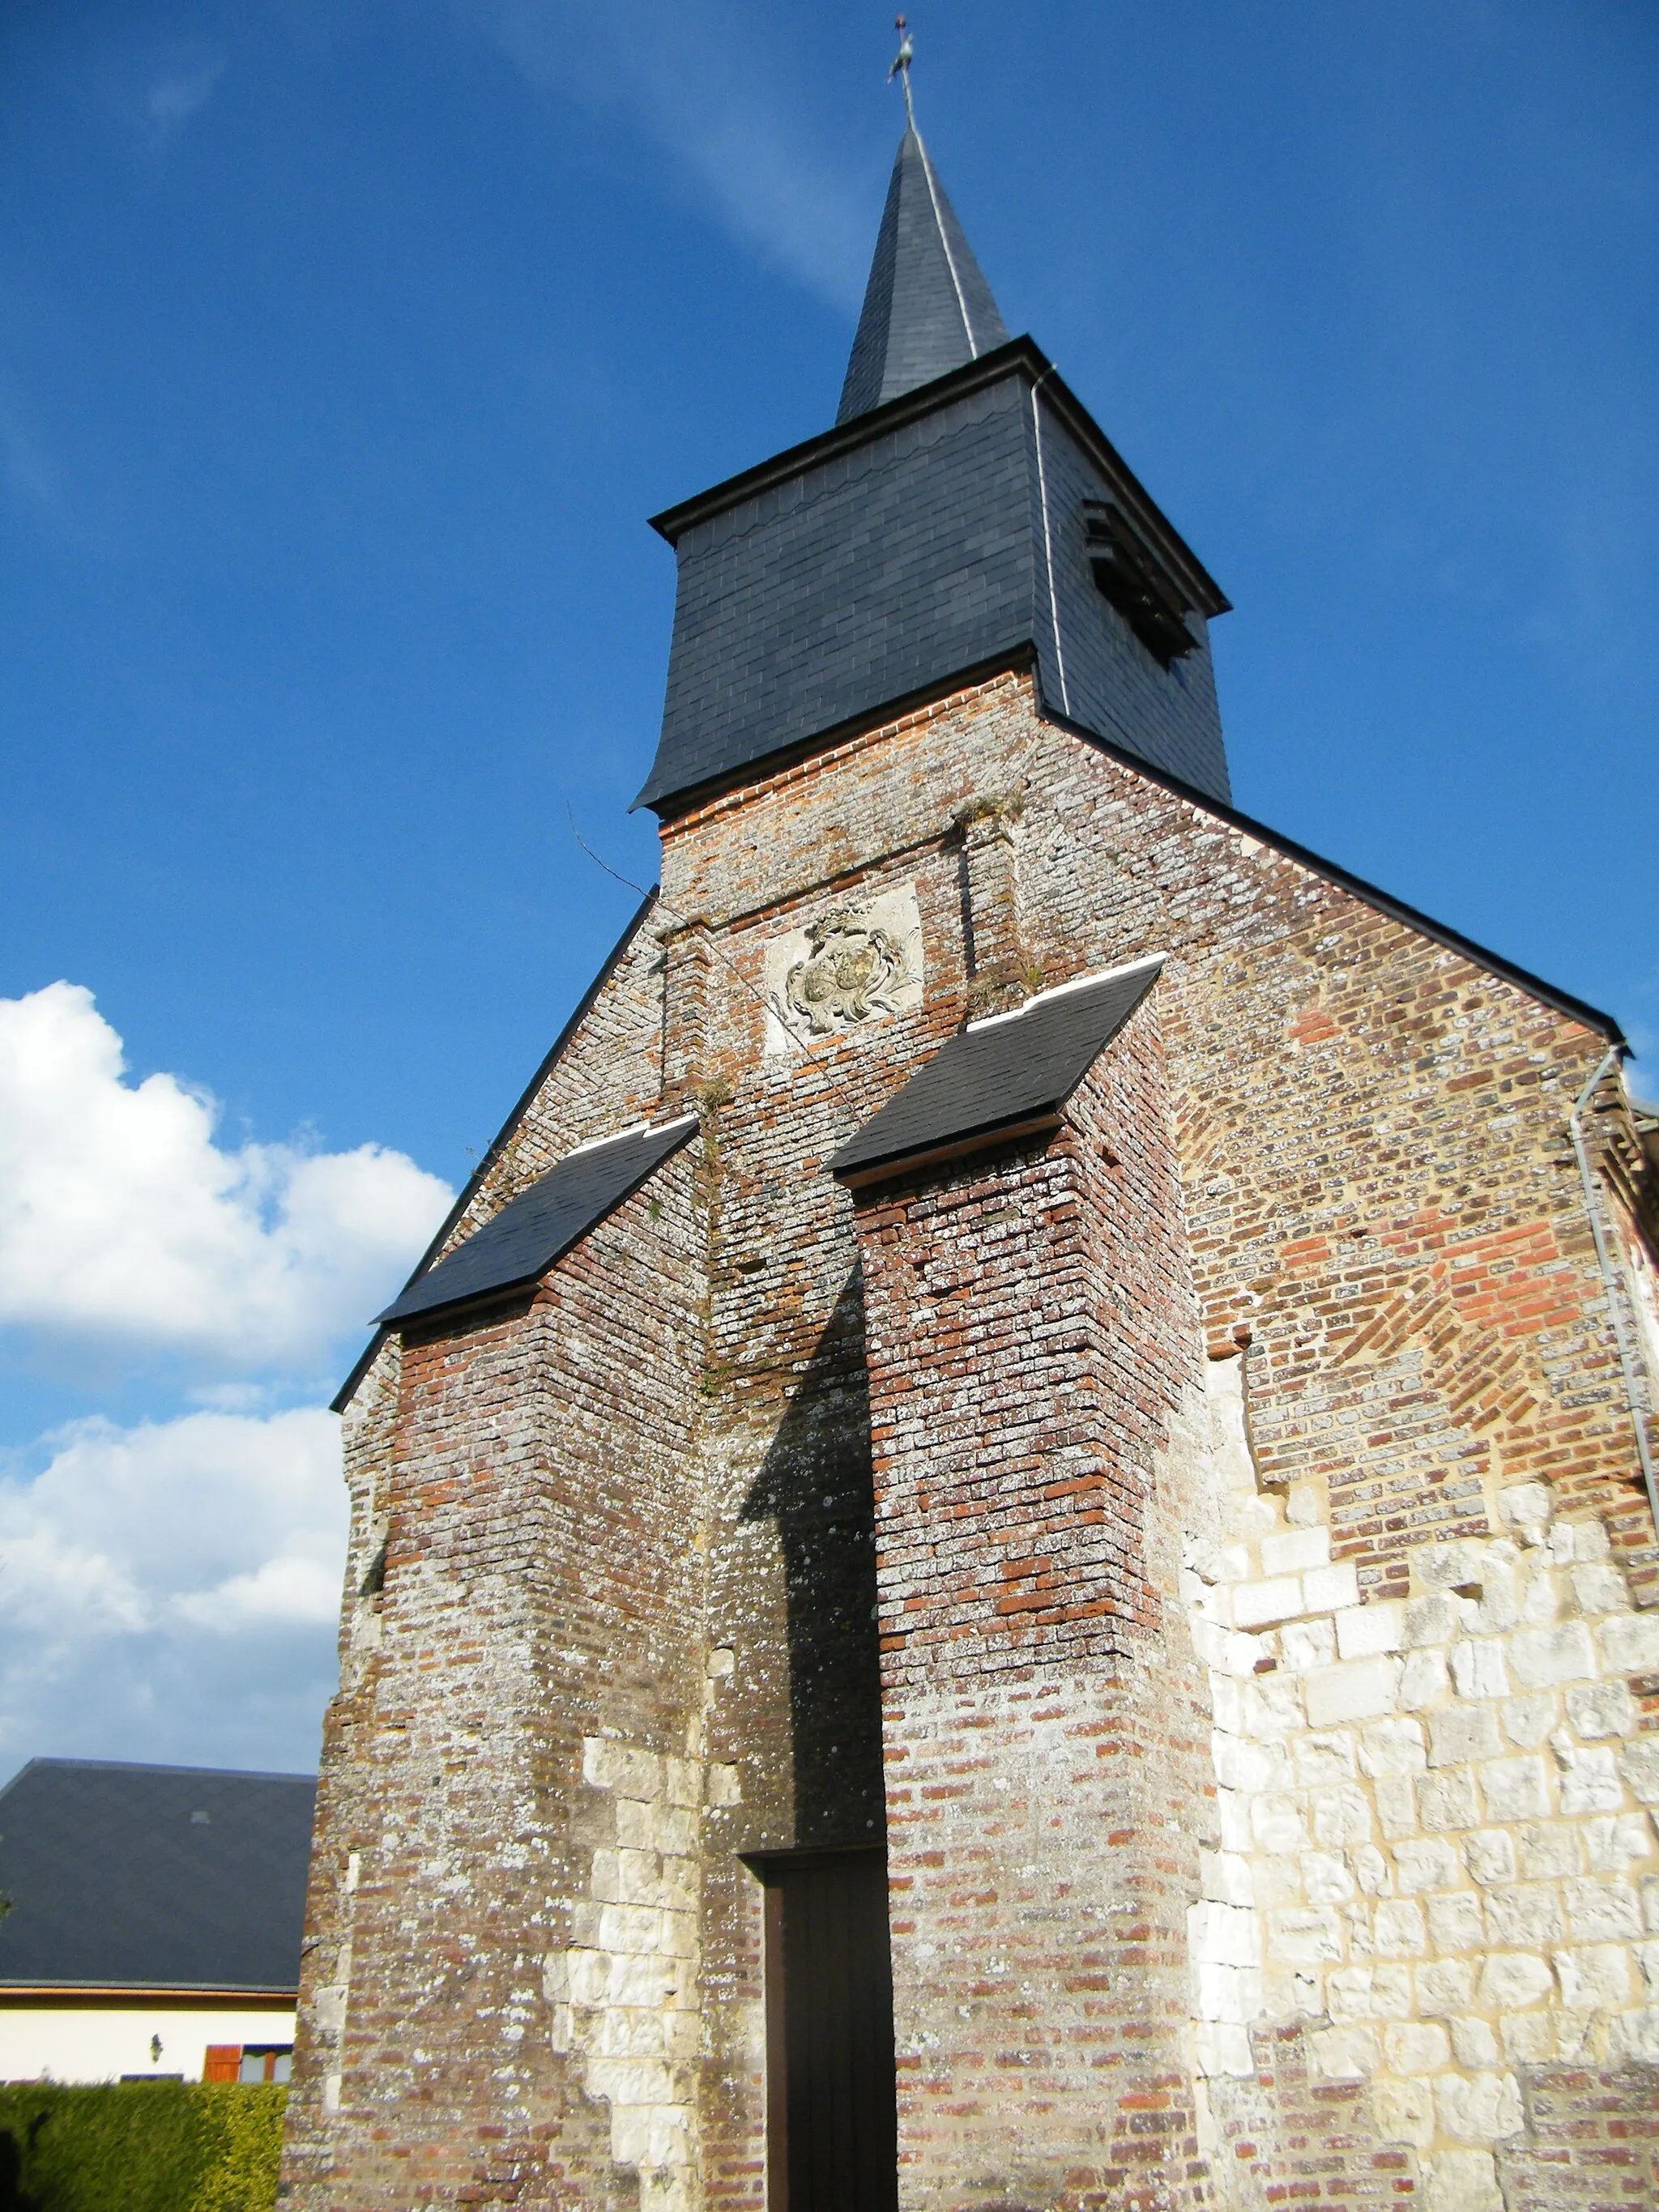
(629, 1929)
(1416, 2047)
(1325, 1878)
(1474, 2044)
(1602, 1911)
(1630, 1646)
(1305, 1938)
(1433, 1620)
(1344, 2054)
(1547, 1850)
(1342, 1818)
(1305, 1644)
(1423, 1679)
(1446, 1799)
(1224, 2048)
(1459, 1733)
(1462, 2181)
(1444, 1566)
(1599, 1589)
(1254, 1604)
(1477, 1666)
(1528, 1720)
(1362, 1631)
(1516, 1789)
(1593, 1978)
(682, 1779)
(1225, 1878)
(1527, 1505)
(1223, 1934)
(1615, 1841)
(1324, 1759)
(1489, 1855)
(618, 1766)
(1223, 1650)
(1600, 1709)
(1445, 1987)
(1231, 1993)
(1404, 2111)
(1511, 1979)
(1371, 1870)
(1397, 1930)
(1277, 1824)
(1540, 1658)
(1639, 1763)
(1457, 1923)
(1589, 1778)
(1295, 1549)
(1426, 1863)
(1241, 1765)
(1351, 1691)
(630, 2081)
(1479, 2107)
(1526, 1915)
(1327, 1589)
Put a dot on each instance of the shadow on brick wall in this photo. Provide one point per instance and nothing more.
(815, 1482)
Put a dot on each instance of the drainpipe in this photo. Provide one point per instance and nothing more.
(1610, 1281)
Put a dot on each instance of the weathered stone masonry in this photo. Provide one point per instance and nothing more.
(1204, 1542)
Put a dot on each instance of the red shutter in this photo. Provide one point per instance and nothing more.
(223, 2062)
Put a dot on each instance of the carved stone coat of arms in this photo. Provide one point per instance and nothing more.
(850, 974)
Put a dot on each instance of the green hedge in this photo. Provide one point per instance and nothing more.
(140, 2147)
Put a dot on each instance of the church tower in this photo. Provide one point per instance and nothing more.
(1000, 1558)
(964, 511)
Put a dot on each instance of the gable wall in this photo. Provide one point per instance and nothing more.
(1370, 1136)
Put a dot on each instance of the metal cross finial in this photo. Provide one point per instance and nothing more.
(900, 68)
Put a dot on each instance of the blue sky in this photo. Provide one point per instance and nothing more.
(345, 349)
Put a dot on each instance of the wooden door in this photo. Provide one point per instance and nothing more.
(832, 2138)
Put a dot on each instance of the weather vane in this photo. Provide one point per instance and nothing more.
(900, 68)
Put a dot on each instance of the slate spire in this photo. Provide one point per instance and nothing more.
(926, 307)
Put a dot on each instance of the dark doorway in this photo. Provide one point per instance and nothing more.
(832, 2131)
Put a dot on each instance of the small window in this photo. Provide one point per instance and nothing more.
(248, 2062)
(266, 2061)
(1130, 576)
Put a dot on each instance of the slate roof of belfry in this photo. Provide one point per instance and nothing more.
(1014, 1071)
(520, 1244)
(153, 1877)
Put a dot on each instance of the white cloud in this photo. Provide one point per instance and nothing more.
(125, 1228)
(170, 1590)
(179, 91)
(702, 82)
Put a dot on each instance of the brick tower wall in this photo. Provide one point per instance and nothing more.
(1033, 1345)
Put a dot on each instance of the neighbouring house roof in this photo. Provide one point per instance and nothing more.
(517, 1245)
(152, 1878)
(999, 1079)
